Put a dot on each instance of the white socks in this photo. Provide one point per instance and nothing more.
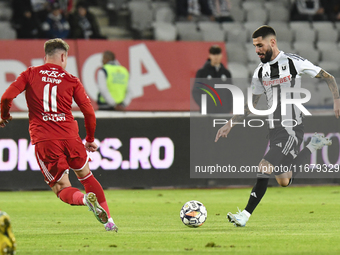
(246, 213)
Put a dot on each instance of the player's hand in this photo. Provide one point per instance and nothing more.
(91, 147)
(120, 107)
(4, 122)
(223, 131)
(337, 107)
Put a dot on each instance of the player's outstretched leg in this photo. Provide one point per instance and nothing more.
(317, 142)
(99, 212)
(240, 219)
(91, 185)
(93, 205)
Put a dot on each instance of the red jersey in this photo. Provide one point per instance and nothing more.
(49, 93)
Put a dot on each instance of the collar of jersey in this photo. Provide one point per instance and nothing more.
(54, 65)
(276, 59)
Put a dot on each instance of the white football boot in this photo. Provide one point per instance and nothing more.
(239, 219)
(318, 141)
(93, 205)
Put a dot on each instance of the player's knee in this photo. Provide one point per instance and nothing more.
(283, 182)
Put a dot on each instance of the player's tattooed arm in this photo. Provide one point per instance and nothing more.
(237, 118)
(331, 82)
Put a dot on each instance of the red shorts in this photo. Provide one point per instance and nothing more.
(55, 157)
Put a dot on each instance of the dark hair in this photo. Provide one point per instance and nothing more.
(109, 55)
(215, 49)
(263, 31)
(51, 46)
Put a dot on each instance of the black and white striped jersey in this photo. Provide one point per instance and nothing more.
(282, 72)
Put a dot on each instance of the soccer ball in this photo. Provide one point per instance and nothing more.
(193, 214)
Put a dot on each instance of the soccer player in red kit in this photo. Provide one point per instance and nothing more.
(58, 147)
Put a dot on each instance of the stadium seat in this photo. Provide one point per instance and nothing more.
(285, 46)
(326, 31)
(192, 35)
(236, 35)
(337, 26)
(305, 35)
(213, 35)
(141, 14)
(278, 13)
(236, 53)
(322, 25)
(7, 32)
(6, 11)
(258, 14)
(308, 51)
(251, 27)
(238, 70)
(324, 95)
(160, 4)
(238, 14)
(251, 5)
(284, 34)
(184, 26)
(235, 3)
(327, 46)
(164, 14)
(252, 67)
(329, 51)
(164, 31)
(229, 27)
(271, 4)
(331, 67)
(206, 25)
(252, 56)
(312, 85)
(300, 25)
(240, 75)
(277, 24)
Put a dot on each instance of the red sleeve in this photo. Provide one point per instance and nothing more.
(90, 121)
(84, 103)
(11, 92)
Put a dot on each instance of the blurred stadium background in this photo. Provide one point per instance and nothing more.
(162, 47)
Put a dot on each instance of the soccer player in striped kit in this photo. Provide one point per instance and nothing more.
(279, 70)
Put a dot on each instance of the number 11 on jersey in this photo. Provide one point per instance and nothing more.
(46, 98)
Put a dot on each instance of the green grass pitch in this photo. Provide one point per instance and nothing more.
(294, 220)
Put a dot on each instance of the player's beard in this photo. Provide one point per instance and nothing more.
(267, 56)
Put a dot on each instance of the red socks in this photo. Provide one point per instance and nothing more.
(91, 184)
(72, 196)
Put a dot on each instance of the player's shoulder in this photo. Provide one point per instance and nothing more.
(71, 76)
(294, 57)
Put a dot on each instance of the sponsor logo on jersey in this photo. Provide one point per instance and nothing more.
(53, 117)
(54, 74)
(278, 81)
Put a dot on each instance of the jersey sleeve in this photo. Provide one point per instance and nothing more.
(18, 86)
(90, 121)
(84, 103)
(306, 67)
(79, 94)
(256, 84)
